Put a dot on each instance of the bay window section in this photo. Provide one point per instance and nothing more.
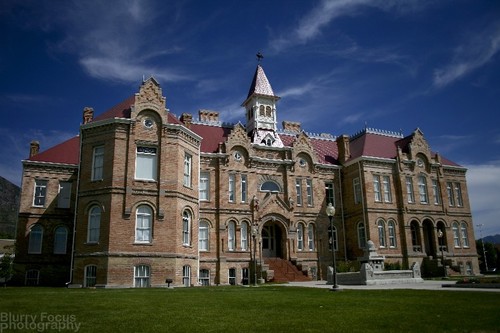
(97, 163)
(187, 169)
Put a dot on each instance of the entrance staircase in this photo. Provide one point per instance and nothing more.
(284, 271)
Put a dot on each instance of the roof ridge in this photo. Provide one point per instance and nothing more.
(372, 130)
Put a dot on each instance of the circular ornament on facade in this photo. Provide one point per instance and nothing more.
(420, 162)
(148, 123)
(302, 162)
(237, 156)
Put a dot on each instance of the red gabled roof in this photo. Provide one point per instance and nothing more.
(326, 150)
(121, 110)
(212, 136)
(67, 152)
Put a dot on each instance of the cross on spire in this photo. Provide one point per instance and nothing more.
(259, 56)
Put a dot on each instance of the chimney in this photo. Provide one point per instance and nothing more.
(34, 148)
(343, 147)
(187, 119)
(208, 116)
(291, 126)
(88, 115)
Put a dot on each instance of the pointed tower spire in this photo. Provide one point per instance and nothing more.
(260, 108)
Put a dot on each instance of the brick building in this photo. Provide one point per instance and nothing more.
(142, 196)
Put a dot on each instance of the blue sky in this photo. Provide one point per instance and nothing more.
(338, 65)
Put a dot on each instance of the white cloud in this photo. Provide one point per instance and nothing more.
(311, 24)
(483, 182)
(476, 51)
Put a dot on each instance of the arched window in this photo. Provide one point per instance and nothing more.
(415, 236)
(186, 228)
(231, 236)
(381, 233)
(270, 186)
(361, 235)
(262, 111)
(456, 234)
(203, 233)
(60, 240)
(143, 224)
(300, 237)
(244, 236)
(463, 233)
(35, 240)
(94, 224)
(269, 112)
(332, 238)
(310, 236)
(392, 233)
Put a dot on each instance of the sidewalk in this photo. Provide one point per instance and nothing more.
(426, 285)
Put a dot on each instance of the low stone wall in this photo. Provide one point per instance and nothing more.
(368, 276)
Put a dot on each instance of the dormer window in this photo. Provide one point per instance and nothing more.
(269, 112)
(268, 140)
(262, 111)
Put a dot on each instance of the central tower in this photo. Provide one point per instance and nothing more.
(260, 107)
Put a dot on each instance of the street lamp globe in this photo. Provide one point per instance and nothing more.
(330, 212)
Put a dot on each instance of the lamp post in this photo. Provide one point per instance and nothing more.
(330, 211)
(441, 243)
(255, 230)
(482, 242)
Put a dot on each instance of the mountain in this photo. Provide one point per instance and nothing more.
(495, 239)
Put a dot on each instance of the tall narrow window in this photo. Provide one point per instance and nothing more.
(357, 190)
(94, 224)
(310, 236)
(232, 187)
(381, 233)
(203, 236)
(451, 197)
(32, 277)
(300, 237)
(463, 233)
(361, 235)
(60, 240)
(146, 163)
(40, 193)
(376, 188)
(309, 191)
(392, 233)
(329, 194)
(232, 276)
(204, 277)
(231, 236)
(298, 188)
(436, 192)
(456, 234)
(64, 196)
(187, 169)
(90, 276)
(332, 238)
(422, 189)
(186, 228)
(143, 224)
(458, 194)
(186, 276)
(141, 276)
(35, 239)
(409, 190)
(244, 236)
(415, 236)
(386, 186)
(97, 163)
(243, 188)
(204, 186)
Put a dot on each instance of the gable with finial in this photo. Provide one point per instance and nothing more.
(238, 137)
(150, 96)
(302, 144)
(418, 144)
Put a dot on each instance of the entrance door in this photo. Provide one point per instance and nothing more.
(271, 240)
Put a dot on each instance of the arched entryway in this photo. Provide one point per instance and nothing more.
(429, 243)
(273, 240)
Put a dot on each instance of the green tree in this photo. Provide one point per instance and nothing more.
(6, 269)
(491, 255)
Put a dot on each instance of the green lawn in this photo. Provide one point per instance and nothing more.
(249, 309)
